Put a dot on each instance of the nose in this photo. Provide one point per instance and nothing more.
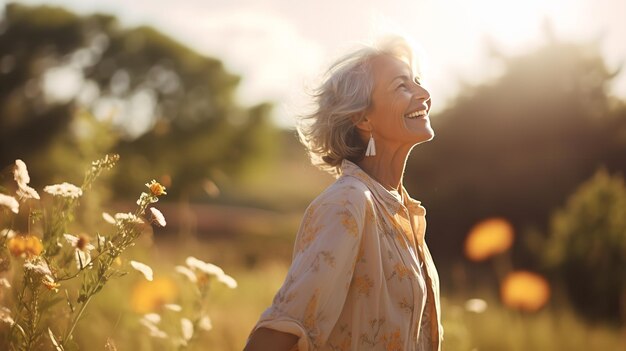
(421, 94)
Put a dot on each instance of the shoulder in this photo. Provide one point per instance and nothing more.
(346, 192)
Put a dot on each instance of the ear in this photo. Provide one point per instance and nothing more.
(361, 122)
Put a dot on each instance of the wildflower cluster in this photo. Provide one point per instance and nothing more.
(44, 258)
(182, 325)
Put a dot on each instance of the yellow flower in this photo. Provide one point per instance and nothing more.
(487, 238)
(156, 188)
(152, 296)
(25, 245)
(525, 291)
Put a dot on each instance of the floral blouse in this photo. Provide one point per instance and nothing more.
(362, 277)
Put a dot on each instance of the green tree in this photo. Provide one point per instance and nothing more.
(586, 248)
(171, 111)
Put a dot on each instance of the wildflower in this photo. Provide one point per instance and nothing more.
(187, 328)
(25, 246)
(228, 280)
(144, 269)
(205, 323)
(487, 238)
(476, 305)
(187, 273)
(202, 271)
(82, 249)
(108, 218)
(5, 316)
(150, 321)
(525, 291)
(50, 284)
(10, 202)
(151, 296)
(64, 190)
(158, 217)
(4, 283)
(127, 217)
(38, 266)
(156, 188)
(20, 174)
(173, 307)
(7, 233)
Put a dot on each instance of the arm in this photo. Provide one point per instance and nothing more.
(264, 339)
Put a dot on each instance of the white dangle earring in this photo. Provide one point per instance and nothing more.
(371, 147)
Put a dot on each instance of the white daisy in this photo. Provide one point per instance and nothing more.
(128, 217)
(150, 321)
(144, 269)
(205, 267)
(187, 328)
(39, 266)
(64, 189)
(158, 216)
(228, 280)
(10, 202)
(187, 273)
(20, 173)
(7, 233)
(4, 283)
(82, 250)
(25, 192)
(205, 323)
(173, 307)
(108, 218)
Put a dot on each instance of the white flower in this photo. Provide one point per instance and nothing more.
(158, 216)
(476, 305)
(64, 190)
(5, 316)
(128, 217)
(7, 233)
(82, 250)
(108, 218)
(187, 273)
(228, 280)
(150, 321)
(20, 173)
(38, 265)
(187, 327)
(4, 283)
(205, 323)
(173, 307)
(10, 202)
(207, 268)
(26, 192)
(144, 269)
(153, 318)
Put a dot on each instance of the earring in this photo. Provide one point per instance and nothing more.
(371, 147)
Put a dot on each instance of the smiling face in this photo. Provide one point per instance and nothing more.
(398, 115)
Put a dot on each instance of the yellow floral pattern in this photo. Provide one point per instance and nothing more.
(361, 276)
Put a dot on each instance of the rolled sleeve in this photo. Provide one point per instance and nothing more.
(313, 295)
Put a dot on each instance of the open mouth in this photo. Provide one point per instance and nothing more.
(416, 114)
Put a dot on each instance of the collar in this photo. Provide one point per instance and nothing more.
(349, 168)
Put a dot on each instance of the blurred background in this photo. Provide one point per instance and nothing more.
(523, 184)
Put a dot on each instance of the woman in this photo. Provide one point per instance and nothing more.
(362, 277)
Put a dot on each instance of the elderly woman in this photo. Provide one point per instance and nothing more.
(362, 277)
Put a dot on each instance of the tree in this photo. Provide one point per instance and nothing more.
(173, 109)
(586, 249)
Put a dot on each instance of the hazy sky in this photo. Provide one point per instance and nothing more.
(281, 46)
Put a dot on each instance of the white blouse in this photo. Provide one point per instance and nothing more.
(362, 277)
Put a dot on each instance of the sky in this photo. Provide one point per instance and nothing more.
(281, 47)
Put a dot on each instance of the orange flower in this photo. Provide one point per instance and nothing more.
(487, 238)
(151, 296)
(524, 291)
(25, 245)
(156, 188)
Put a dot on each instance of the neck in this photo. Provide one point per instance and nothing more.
(387, 167)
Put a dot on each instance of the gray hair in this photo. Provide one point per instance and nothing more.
(341, 100)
